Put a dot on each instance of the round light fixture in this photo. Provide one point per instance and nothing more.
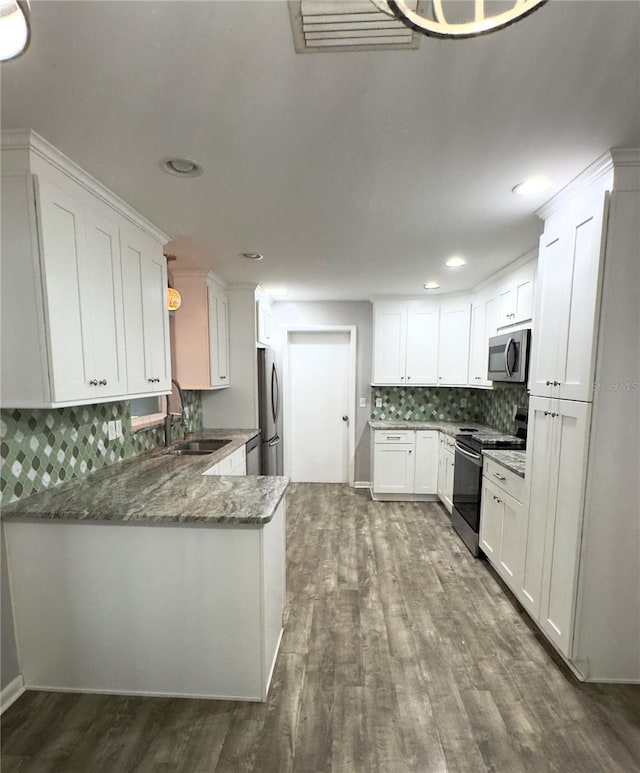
(174, 299)
(455, 262)
(444, 19)
(181, 167)
(251, 255)
(15, 28)
(431, 286)
(533, 185)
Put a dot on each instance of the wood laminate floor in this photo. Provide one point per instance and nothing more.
(401, 653)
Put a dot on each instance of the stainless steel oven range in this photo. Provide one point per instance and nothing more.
(467, 481)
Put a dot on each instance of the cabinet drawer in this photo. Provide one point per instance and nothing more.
(395, 436)
(507, 480)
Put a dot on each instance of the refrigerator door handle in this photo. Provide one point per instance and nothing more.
(273, 441)
(275, 393)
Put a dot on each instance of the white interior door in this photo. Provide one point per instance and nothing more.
(318, 364)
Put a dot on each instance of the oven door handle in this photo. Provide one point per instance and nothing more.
(470, 454)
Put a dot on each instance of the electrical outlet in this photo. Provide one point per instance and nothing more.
(378, 402)
(363, 402)
(111, 430)
(119, 428)
(463, 402)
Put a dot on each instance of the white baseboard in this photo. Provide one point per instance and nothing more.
(362, 484)
(11, 693)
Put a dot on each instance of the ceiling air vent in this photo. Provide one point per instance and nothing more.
(320, 26)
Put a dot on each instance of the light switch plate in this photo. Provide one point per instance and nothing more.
(363, 402)
(378, 402)
(111, 430)
(118, 427)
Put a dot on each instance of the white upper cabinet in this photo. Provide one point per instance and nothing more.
(389, 342)
(64, 255)
(515, 297)
(144, 272)
(264, 319)
(201, 331)
(453, 363)
(423, 323)
(483, 326)
(405, 342)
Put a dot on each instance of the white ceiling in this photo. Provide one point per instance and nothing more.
(356, 174)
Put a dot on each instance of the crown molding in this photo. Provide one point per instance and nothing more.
(28, 140)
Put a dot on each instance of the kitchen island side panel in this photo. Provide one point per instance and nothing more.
(138, 609)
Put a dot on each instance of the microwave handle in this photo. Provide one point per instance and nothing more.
(506, 357)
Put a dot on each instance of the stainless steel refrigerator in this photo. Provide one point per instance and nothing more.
(269, 401)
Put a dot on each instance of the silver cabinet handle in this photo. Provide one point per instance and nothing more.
(345, 418)
(93, 382)
(102, 382)
(498, 476)
(467, 453)
(410, 451)
(557, 383)
(392, 437)
(553, 415)
(223, 378)
(548, 383)
(408, 378)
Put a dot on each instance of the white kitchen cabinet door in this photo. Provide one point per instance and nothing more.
(447, 489)
(264, 319)
(515, 297)
(389, 342)
(144, 278)
(540, 449)
(104, 267)
(426, 462)
(491, 522)
(453, 354)
(393, 468)
(513, 540)
(423, 322)
(482, 327)
(67, 292)
(219, 336)
(567, 471)
(563, 359)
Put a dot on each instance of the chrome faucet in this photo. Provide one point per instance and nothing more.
(168, 419)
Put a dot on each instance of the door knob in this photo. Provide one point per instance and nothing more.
(345, 418)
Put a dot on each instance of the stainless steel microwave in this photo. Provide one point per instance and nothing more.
(509, 356)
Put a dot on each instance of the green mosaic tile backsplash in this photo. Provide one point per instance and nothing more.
(42, 448)
(492, 407)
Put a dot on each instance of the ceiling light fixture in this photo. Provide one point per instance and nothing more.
(431, 286)
(181, 167)
(455, 262)
(251, 255)
(432, 20)
(532, 185)
(15, 28)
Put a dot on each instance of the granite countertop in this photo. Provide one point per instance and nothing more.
(161, 488)
(511, 459)
(448, 427)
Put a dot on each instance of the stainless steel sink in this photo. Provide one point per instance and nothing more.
(197, 447)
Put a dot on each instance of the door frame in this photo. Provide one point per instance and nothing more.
(286, 390)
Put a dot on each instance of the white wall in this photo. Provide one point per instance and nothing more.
(360, 314)
(9, 668)
(237, 406)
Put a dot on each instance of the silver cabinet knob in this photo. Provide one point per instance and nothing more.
(93, 382)
(102, 382)
(345, 418)
(556, 383)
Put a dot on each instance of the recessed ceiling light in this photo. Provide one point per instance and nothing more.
(431, 286)
(251, 255)
(181, 167)
(537, 184)
(455, 262)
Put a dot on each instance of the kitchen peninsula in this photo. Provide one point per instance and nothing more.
(150, 577)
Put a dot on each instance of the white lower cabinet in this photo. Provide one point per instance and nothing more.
(233, 464)
(503, 531)
(446, 467)
(405, 463)
(556, 468)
